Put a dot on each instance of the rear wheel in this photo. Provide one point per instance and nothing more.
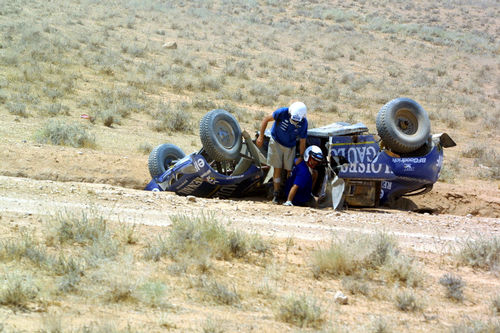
(403, 125)
(163, 157)
(220, 135)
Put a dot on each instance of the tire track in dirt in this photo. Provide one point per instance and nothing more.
(422, 232)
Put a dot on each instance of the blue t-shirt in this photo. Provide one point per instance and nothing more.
(303, 179)
(284, 132)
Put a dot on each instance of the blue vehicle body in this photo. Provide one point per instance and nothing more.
(193, 175)
(373, 176)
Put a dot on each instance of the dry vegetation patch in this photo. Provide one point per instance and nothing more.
(70, 266)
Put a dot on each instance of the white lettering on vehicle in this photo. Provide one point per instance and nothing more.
(360, 160)
(415, 160)
(200, 163)
(408, 167)
(356, 154)
(386, 185)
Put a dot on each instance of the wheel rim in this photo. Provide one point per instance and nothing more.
(406, 121)
(225, 134)
(169, 161)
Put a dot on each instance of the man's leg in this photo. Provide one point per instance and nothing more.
(276, 184)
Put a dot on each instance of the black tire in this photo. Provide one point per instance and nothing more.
(162, 157)
(403, 125)
(220, 135)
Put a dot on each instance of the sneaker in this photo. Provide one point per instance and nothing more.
(275, 200)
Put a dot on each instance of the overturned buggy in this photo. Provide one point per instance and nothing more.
(360, 170)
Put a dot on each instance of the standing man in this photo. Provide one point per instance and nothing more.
(300, 184)
(289, 124)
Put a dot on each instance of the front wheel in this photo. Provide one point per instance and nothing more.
(163, 157)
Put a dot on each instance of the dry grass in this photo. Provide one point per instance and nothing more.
(199, 265)
(115, 67)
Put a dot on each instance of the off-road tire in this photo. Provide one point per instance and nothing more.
(220, 135)
(162, 157)
(403, 125)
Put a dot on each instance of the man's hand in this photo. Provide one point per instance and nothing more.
(260, 141)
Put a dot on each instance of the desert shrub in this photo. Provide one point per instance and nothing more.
(219, 292)
(120, 291)
(403, 269)
(212, 326)
(480, 252)
(449, 171)
(474, 151)
(69, 282)
(491, 120)
(355, 286)
(203, 104)
(477, 326)
(152, 293)
(3, 96)
(17, 291)
(449, 118)
(156, 250)
(356, 252)
(69, 228)
(173, 117)
(145, 148)
(380, 325)
(470, 114)
(300, 311)
(63, 264)
(56, 109)
(202, 237)
(109, 117)
(89, 229)
(60, 133)
(454, 286)
(407, 301)
(17, 109)
(211, 83)
(24, 246)
(495, 304)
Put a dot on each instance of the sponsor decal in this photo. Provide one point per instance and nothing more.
(408, 167)
(406, 160)
(356, 154)
(199, 164)
(386, 185)
(210, 180)
(361, 160)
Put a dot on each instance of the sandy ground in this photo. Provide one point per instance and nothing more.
(426, 232)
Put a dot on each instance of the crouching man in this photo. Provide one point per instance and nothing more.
(300, 184)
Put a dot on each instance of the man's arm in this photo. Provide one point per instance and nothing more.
(263, 126)
(302, 149)
(292, 192)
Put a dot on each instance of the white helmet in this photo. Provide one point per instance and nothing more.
(313, 152)
(297, 111)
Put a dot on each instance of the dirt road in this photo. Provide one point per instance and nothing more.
(424, 232)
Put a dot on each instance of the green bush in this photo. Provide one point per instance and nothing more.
(454, 286)
(17, 291)
(300, 311)
(407, 301)
(203, 237)
(480, 252)
(57, 132)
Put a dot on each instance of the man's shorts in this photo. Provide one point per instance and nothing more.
(279, 156)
